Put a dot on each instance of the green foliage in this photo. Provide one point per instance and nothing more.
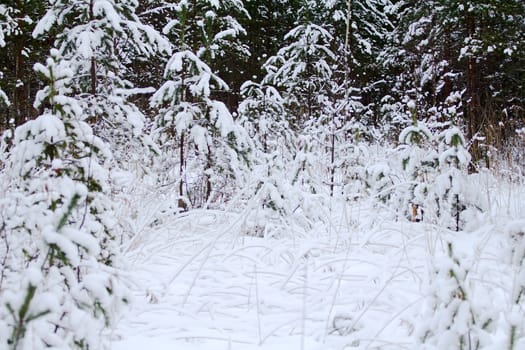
(455, 323)
(456, 57)
(19, 52)
(22, 317)
(301, 71)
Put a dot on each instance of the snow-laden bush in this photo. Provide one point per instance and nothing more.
(418, 164)
(515, 317)
(287, 179)
(435, 185)
(458, 315)
(60, 287)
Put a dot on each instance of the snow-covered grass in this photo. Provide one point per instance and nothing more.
(208, 279)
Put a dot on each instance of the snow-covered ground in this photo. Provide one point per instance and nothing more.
(208, 280)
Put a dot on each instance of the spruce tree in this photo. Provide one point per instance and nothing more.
(192, 119)
(302, 71)
(20, 51)
(62, 233)
(445, 49)
(98, 39)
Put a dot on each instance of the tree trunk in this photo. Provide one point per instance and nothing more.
(448, 85)
(473, 110)
(93, 59)
(208, 167)
(332, 162)
(19, 102)
(182, 203)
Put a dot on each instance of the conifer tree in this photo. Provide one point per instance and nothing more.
(191, 115)
(6, 27)
(98, 38)
(419, 162)
(18, 55)
(263, 111)
(268, 23)
(443, 49)
(449, 185)
(302, 71)
(62, 230)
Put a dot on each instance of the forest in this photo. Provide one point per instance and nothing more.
(262, 174)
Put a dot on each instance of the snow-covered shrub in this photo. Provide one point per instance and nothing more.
(286, 176)
(456, 316)
(451, 184)
(419, 162)
(516, 315)
(59, 227)
(437, 187)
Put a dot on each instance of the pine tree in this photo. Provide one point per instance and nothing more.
(443, 49)
(191, 114)
(360, 29)
(449, 184)
(98, 39)
(62, 232)
(7, 25)
(419, 162)
(268, 23)
(18, 55)
(302, 71)
(263, 111)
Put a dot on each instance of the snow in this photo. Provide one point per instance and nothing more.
(212, 288)
(264, 241)
(327, 273)
(200, 137)
(225, 34)
(221, 279)
(106, 9)
(202, 285)
(70, 250)
(45, 24)
(223, 118)
(3, 98)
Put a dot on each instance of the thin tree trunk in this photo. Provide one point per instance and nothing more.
(447, 57)
(182, 203)
(332, 161)
(347, 51)
(457, 212)
(472, 96)
(209, 164)
(18, 99)
(93, 59)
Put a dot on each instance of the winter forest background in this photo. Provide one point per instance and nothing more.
(242, 174)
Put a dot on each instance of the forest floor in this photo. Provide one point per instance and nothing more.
(209, 279)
